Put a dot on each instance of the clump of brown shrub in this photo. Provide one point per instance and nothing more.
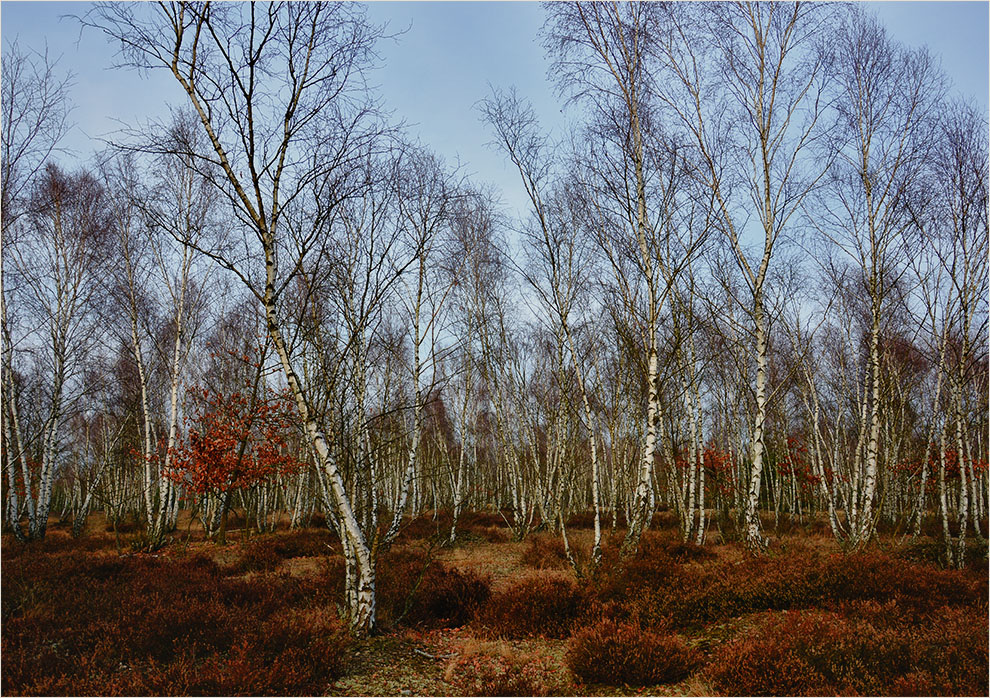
(265, 554)
(78, 623)
(435, 526)
(616, 653)
(57, 542)
(304, 542)
(871, 651)
(544, 604)
(544, 551)
(258, 556)
(657, 587)
(492, 534)
(418, 591)
(503, 672)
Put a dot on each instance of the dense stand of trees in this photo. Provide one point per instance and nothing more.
(752, 280)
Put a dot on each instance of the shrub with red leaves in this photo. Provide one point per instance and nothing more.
(623, 653)
(544, 605)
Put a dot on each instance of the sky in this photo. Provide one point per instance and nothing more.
(446, 59)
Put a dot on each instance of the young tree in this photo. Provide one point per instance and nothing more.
(34, 117)
(746, 87)
(632, 180)
(278, 91)
(886, 100)
(426, 196)
(57, 262)
(234, 440)
(559, 258)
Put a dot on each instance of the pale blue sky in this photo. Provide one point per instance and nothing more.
(436, 72)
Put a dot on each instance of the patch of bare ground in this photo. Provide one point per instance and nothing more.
(392, 665)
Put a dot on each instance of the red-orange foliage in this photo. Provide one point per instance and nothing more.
(235, 440)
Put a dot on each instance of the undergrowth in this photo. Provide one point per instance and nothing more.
(78, 623)
(78, 618)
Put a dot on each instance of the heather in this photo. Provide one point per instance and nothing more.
(261, 616)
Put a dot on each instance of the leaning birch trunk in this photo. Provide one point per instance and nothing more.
(361, 606)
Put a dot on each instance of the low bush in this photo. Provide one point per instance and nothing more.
(933, 553)
(664, 520)
(824, 652)
(492, 534)
(506, 673)
(585, 519)
(57, 542)
(657, 587)
(417, 591)
(85, 624)
(258, 556)
(623, 653)
(544, 551)
(482, 519)
(305, 542)
(426, 526)
(129, 523)
(918, 588)
(544, 604)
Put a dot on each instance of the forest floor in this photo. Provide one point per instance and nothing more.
(489, 616)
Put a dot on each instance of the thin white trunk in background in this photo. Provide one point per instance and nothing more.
(596, 546)
(417, 426)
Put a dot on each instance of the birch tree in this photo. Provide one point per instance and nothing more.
(632, 179)
(57, 265)
(426, 196)
(746, 81)
(35, 117)
(278, 91)
(560, 259)
(886, 97)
